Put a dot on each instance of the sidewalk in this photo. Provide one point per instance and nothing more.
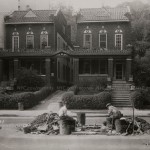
(89, 113)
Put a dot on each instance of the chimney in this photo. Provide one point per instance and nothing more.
(28, 7)
(19, 5)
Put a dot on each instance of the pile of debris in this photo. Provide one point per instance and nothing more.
(140, 127)
(46, 123)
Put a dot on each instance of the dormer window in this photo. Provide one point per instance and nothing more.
(30, 39)
(119, 38)
(87, 38)
(103, 38)
(15, 41)
(44, 39)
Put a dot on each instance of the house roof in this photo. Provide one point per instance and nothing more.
(103, 14)
(31, 16)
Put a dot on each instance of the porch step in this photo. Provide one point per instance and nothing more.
(121, 94)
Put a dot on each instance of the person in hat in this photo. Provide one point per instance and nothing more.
(113, 114)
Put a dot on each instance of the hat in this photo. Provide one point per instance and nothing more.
(109, 104)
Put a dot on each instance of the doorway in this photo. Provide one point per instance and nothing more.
(119, 71)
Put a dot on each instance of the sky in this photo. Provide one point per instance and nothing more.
(11, 5)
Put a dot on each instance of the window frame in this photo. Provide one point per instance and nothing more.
(102, 41)
(41, 39)
(27, 38)
(13, 37)
(121, 40)
(84, 41)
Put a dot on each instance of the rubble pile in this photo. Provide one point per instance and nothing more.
(143, 125)
(44, 124)
(48, 123)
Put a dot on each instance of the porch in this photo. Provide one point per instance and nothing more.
(109, 68)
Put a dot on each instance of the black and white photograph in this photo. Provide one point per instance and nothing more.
(74, 74)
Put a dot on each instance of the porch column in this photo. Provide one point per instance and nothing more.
(75, 70)
(16, 65)
(48, 70)
(1, 70)
(128, 68)
(110, 68)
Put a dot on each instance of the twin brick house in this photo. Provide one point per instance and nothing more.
(41, 39)
(34, 39)
(104, 38)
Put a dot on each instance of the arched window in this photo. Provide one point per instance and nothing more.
(15, 40)
(119, 38)
(87, 38)
(103, 38)
(43, 39)
(30, 39)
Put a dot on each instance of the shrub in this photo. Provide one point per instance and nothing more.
(74, 89)
(43, 93)
(97, 101)
(29, 80)
(138, 98)
(29, 99)
(67, 97)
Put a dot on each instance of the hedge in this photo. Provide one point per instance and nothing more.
(74, 89)
(97, 101)
(29, 99)
(137, 98)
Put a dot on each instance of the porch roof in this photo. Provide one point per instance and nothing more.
(75, 53)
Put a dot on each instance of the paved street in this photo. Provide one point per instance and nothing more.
(96, 142)
(11, 139)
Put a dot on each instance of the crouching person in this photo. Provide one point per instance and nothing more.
(67, 123)
(113, 120)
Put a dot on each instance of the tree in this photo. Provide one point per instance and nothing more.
(28, 79)
(141, 71)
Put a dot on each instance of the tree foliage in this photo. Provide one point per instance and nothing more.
(141, 72)
(29, 79)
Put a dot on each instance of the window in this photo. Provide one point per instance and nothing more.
(87, 39)
(95, 67)
(15, 40)
(103, 38)
(118, 38)
(15, 43)
(103, 67)
(92, 66)
(44, 39)
(30, 41)
(118, 41)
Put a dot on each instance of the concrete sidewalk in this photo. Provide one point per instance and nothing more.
(89, 113)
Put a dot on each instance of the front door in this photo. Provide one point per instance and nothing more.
(119, 71)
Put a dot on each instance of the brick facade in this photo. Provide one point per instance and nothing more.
(22, 29)
(110, 27)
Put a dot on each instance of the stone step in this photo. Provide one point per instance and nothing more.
(119, 82)
(120, 97)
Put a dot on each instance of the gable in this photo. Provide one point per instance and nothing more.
(30, 14)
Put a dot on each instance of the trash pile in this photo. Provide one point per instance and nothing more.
(140, 127)
(46, 123)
